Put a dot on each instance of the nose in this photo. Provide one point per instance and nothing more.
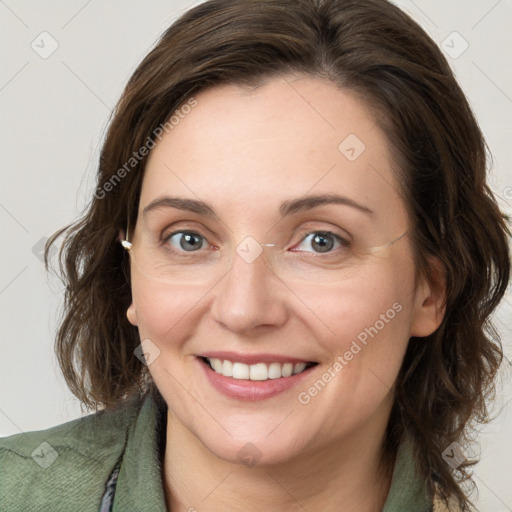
(249, 296)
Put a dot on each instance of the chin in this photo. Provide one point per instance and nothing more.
(257, 451)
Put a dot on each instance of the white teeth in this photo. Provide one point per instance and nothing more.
(259, 371)
(227, 368)
(287, 369)
(298, 367)
(217, 365)
(274, 371)
(240, 371)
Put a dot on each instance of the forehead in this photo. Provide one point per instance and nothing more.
(288, 137)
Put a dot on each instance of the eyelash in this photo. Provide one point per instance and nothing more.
(344, 244)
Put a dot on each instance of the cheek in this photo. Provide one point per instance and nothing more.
(380, 296)
(165, 312)
(367, 322)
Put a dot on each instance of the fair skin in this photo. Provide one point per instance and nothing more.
(244, 153)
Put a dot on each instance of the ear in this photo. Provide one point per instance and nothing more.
(131, 314)
(430, 302)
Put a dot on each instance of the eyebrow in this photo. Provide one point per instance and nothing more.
(286, 208)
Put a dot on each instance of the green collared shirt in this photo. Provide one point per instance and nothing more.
(68, 467)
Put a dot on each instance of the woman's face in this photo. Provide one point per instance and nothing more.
(268, 310)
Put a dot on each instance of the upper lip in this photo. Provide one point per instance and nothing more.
(252, 358)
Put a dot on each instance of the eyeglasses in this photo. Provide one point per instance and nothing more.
(186, 256)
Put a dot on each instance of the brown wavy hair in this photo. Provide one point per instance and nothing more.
(376, 51)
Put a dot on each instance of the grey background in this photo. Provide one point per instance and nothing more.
(54, 114)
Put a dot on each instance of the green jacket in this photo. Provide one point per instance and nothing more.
(67, 467)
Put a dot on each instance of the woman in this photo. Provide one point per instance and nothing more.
(277, 298)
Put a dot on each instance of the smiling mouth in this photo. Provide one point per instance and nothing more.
(256, 372)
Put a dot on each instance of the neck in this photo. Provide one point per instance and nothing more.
(348, 476)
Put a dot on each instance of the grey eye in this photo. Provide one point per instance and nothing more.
(322, 241)
(189, 241)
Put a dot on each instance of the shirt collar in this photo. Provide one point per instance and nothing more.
(408, 491)
(139, 484)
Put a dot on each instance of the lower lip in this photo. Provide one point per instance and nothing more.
(251, 390)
